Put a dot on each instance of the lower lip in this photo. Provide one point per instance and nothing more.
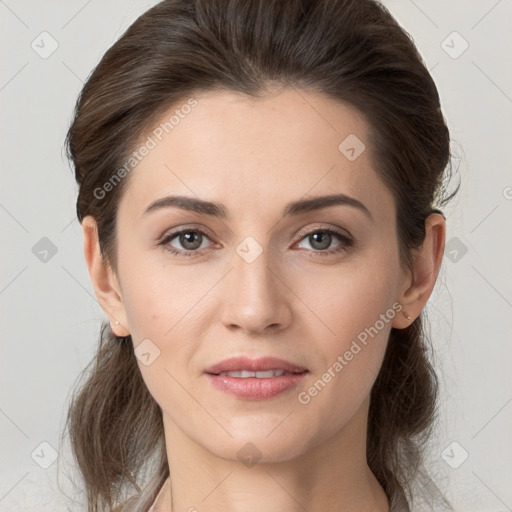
(253, 388)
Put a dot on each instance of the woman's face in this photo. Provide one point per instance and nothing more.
(264, 273)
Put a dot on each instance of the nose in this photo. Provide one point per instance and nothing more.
(257, 297)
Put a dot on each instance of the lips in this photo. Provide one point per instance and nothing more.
(246, 364)
(255, 379)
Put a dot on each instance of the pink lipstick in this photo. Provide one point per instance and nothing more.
(255, 379)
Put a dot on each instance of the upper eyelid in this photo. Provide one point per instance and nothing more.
(337, 231)
(175, 232)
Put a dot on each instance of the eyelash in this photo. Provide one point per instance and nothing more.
(346, 242)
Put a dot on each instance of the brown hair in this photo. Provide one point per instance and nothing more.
(349, 50)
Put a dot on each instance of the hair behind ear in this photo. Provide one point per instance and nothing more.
(402, 410)
(114, 423)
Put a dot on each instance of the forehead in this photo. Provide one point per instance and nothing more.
(248, 152)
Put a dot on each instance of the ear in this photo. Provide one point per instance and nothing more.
(104, 280)
(419, 283)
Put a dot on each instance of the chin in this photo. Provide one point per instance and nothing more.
(252, 445)
(251, 452)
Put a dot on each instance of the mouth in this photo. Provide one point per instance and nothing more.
(247, 374)
(255, 379)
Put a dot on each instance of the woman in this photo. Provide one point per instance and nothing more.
(257, 190)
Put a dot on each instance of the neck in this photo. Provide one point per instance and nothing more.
(332, 475)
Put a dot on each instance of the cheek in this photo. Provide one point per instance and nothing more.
(158, 312)
(356, 308)
(162, 307)
(158, 300)
(351, 298)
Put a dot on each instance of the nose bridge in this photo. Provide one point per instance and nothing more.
(256, 297)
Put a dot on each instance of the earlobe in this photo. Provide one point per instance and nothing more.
(426, 265)
(103, 279)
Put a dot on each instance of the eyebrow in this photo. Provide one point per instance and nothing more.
(294, 208)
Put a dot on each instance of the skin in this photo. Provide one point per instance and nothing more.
(254, 157)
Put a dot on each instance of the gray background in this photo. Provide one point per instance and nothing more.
(50, 319)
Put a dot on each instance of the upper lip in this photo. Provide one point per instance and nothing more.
(261, 364)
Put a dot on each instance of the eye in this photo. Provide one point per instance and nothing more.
(320, 241)
(190, 240)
